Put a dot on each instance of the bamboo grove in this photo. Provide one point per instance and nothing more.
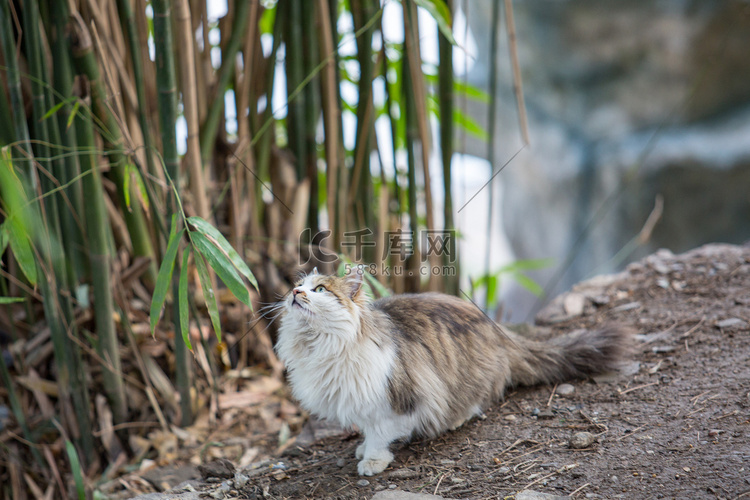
(112, 238)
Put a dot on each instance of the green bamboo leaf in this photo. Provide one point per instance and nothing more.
(470, 91)
(222, 265)
(73, 113)
(164, 278)
(53, 110)
(208, 230)
(527, 265)
(183, 299)
(529, 284)
(372, 282)
(461, 88)
(463, 120)
(442, 15)
(4, 237)
(10, 300)
(20, 245)
(133, 170)
(126, 186)
(208, 294)
(75, 468)
(18, 217)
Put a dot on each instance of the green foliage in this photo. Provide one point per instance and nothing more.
(208, 294)
(515, 270)
(75, 466)
(164, 278)
(439, 10)
(183, 299)
(227, 252)
(16, 226)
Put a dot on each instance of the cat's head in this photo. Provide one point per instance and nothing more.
(325, 302)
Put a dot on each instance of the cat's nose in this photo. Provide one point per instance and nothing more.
(297, 290)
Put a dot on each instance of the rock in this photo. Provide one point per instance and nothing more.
(220, 468)
(565, 390)
(509, 418)
(340, 463)
(573, 304)
(170, 476)
(627, 307)
(240, 480)
(363, 482)
(403, 495)
(538, 495)
(545, 415)
(581, 440)
(731, 323)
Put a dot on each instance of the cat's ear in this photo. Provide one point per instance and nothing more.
(315, 270)
(355, 280)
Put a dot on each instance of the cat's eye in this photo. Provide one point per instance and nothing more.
(320, 288)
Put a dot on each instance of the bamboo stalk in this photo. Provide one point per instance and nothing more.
(63, 84)
(342, 178)
(311, 94)
(190, 106)
(262, 134)
(523, 122)
(54, 285)
(445, 90)
(244, 216)
(99, 235)
(331, 114)
(165, 77)
(128, 22)
(491, 128)
(411, 282)
(14, 83)
(86, 64)
(362, 12)
(7, 134)
(411, 42)
(295, 74)
(211, 124)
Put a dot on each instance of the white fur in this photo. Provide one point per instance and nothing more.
(337, 375)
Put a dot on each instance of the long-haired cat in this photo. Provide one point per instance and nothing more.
(414, 364)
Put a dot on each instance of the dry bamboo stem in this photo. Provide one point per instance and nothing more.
(330, 108)
(517, 83)
(415, 68)
(190, 105)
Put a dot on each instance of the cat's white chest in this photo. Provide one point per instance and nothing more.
(340, 379)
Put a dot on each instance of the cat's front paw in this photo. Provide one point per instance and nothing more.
(372, 466)
(375, 463)
(360, 451)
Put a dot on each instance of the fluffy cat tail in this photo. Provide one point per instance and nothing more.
(578, 354)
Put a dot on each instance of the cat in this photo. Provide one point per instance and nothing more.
(415, 364)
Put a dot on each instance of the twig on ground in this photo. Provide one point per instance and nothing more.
(638, 387)
(630, 433)
(549, 401)
(579, 489)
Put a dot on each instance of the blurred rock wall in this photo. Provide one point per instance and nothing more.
(626, 99)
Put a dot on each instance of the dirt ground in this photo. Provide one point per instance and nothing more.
(674, 424)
